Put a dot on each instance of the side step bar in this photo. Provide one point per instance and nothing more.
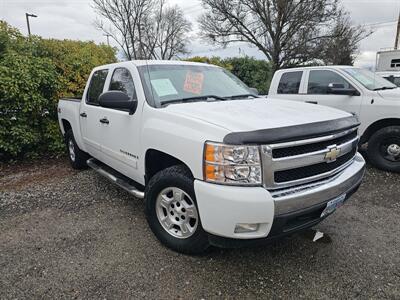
(114, 177)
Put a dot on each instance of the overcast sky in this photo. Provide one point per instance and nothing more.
(73, 19)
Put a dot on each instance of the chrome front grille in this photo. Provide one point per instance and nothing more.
(295, 163)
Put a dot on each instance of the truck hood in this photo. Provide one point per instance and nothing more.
(254, 114)
(393, 94)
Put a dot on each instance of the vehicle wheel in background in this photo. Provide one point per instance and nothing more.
(384, 149)
(76, 156)
(172, 212)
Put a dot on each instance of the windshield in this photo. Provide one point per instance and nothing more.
(166, 84)
(369, 79)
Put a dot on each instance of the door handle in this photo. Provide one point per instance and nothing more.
(104, 121)
(311, 102)
(83, 115)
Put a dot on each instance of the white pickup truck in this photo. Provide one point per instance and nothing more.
(375, 101)
(216, 164)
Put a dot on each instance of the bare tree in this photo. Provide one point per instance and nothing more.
(124, 19)
(171, 36)
(288, 32)
(342, 47)
(144, 29)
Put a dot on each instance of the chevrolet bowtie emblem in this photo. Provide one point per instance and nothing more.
(332, 154)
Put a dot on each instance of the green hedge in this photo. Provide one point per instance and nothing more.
(34, 73)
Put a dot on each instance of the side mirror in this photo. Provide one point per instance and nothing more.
(254, 91)
(336, 86)
(118, 100)
(339, 89)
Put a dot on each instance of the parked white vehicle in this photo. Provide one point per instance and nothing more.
(373, 99)
(393, 77)
(215, 163)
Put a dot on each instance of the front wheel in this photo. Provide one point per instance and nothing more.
(172, 213)
(384, 149)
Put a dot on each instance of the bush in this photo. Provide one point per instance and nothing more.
(215, 60)
(74, 60)
(34, 73)
(255, 73)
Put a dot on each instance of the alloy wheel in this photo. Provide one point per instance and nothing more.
(177, 212)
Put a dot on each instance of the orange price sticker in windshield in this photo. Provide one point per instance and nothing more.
(193, 82)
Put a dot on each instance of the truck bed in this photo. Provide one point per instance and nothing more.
(68, 111)
(71, 99)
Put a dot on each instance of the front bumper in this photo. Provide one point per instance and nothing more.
(278, 213)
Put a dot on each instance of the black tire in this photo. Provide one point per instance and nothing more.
(174, 177)
(79, 160)
(378, 145)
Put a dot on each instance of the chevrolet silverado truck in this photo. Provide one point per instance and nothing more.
(216, 164)
(375, 101)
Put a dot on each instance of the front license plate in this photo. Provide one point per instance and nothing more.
(332, 205)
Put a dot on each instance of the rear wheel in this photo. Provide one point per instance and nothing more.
(76, 156)
(384, 149)
(172, 213)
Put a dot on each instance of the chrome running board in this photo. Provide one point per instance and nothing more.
(115, 177)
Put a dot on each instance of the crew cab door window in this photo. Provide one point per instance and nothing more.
(319, 80)
(121, 80)
(318, 91)
(290, 82)
(96, 86)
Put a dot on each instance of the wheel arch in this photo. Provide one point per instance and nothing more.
(156, 161)
(66, 125)
(374, 127)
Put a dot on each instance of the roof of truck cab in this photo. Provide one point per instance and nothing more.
(154, 62)
(318, 68)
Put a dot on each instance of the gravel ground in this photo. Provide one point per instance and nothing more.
(68, 234)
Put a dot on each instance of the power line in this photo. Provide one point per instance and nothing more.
(396, 43)
(378, 24)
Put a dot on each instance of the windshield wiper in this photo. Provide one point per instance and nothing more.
(242, 96)
(385, 88)
(193, 99)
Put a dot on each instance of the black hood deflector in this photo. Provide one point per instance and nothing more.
(291, 133)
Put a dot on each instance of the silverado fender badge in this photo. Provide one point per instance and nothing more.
(332, 154)
(129, 154)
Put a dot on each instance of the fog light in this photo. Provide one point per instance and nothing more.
(246, 227)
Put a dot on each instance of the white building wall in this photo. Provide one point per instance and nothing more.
(388, 61)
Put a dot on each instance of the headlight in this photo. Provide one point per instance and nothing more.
(230, 164)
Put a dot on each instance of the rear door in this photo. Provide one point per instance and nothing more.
(289, 85)
(120, 136)
(90, 113)
(317, 89)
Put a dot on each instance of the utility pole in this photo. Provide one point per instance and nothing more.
(396, 43)
(27, 21)
(108, 38)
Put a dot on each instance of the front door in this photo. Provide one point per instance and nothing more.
(318, 91)
(120, 135)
